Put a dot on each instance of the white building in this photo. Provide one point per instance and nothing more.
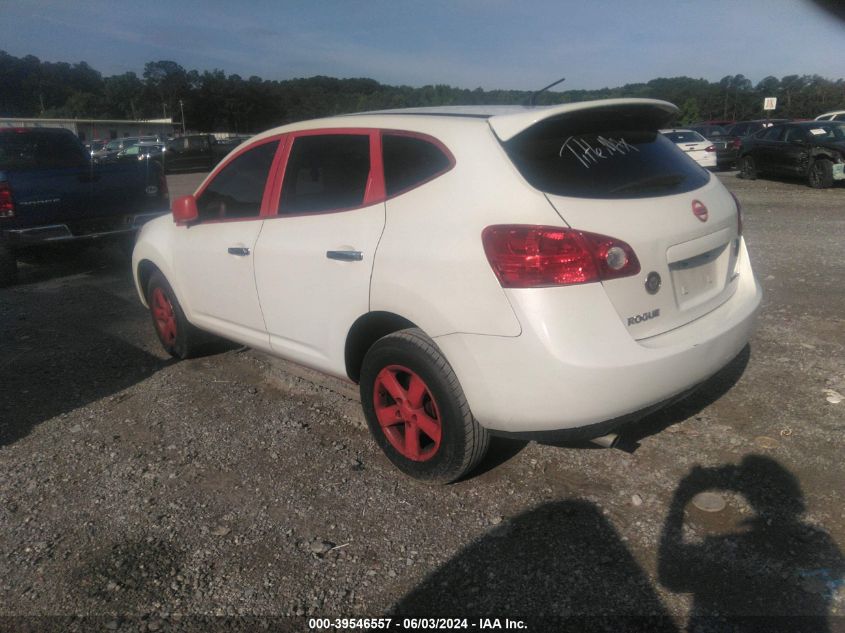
(103, 129)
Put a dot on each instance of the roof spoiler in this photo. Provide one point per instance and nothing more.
(506, 126)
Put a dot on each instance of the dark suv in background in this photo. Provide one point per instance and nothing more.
(814, 150)
(197, 152)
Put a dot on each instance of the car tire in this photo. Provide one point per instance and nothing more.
(8, 266)
(417, 411)
(178, 336)
(820, 175)
(747, 168)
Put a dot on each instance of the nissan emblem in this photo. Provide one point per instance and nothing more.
(699, 210)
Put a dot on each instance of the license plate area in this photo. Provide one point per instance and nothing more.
(698, 279)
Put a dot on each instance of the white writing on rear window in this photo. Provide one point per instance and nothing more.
(588, 154)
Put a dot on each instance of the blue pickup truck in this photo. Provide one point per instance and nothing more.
(51, 192)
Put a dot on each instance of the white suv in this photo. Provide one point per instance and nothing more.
(519, 270)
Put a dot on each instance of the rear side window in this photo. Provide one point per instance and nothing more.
(236, 191)
(326, 172)
(410, 161)
(40, 150)
(771, 134)
(197, 142)
(590, 159)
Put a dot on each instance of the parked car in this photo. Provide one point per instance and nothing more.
(142, 151)
(195, 152)
(693, 145)
(727, 147)
(837, 115)
(548, 272)
(746, 128)
(111, 149)
(51, 192)
(94, 146)
(812, 150)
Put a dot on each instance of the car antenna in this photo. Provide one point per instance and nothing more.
(532, 99)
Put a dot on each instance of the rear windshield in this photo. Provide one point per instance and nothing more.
(596, 160)
(40, 149)
(684, 137)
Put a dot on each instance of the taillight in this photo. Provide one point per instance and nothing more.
(736, 143)
(7, 205)
(712, 148)
(524, 256)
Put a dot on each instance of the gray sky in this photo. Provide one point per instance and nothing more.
(463, 43)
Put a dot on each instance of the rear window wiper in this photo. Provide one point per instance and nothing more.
(664, 181)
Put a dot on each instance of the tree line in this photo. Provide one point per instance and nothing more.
(215, 101)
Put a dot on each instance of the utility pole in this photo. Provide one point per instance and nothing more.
(182, 108)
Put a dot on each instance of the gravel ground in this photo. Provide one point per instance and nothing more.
(236, 490)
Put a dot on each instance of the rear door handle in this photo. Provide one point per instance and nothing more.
(345, 256)
(240, 251)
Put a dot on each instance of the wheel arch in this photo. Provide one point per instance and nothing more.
(144, 271)
(366, 330)
(823, 153)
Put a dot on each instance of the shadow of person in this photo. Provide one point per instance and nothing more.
(560, 567)
(774, 574)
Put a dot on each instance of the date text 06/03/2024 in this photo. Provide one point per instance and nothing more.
(414, 624)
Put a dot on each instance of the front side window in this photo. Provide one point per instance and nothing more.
(410, 161)
(238, 188)
(326, 172)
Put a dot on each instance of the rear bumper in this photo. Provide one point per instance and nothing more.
(726, 156)
(101, 228)
(583, 368)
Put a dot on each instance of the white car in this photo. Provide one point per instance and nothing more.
(694, 145)
(836, 115)
(532, 271)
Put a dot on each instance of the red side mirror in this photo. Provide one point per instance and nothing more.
(185, 210)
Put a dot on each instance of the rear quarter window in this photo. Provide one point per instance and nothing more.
(596, 160)
(410, 161)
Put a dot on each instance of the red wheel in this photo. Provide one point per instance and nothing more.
(407, 413)
(177, 335)
(163, 316)
(417, 411)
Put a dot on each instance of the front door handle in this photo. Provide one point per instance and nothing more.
(240, 251)
(345, 256)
